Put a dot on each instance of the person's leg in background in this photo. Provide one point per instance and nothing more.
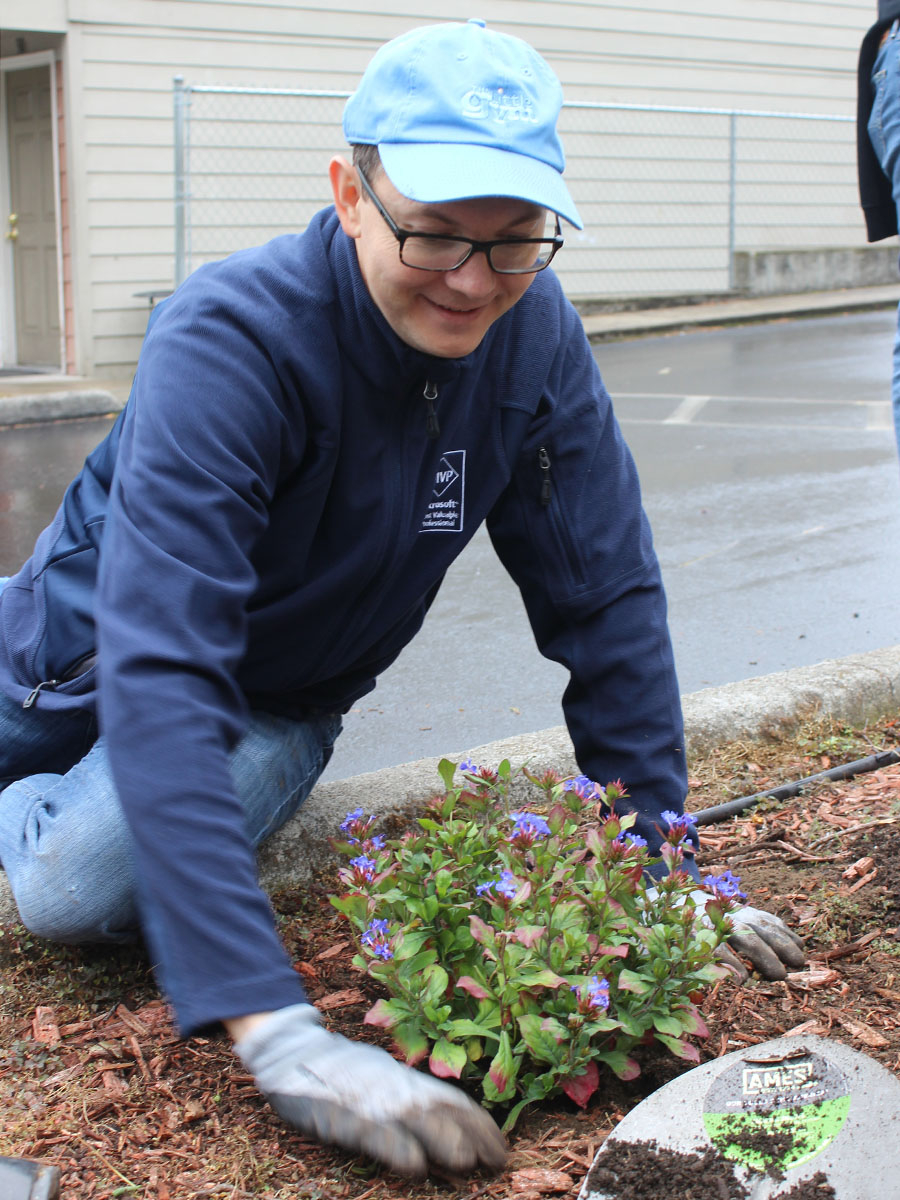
(884, 134)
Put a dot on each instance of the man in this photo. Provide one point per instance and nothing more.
(259, 536)
(878, 143)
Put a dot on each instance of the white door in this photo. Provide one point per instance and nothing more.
(31, 222)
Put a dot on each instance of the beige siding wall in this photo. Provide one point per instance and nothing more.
(121, 55)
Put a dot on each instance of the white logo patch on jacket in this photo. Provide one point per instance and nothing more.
(445, 513)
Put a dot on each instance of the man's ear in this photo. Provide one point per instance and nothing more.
(347, 194)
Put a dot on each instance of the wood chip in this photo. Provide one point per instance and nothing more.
(341, 999)
(813, 977)
(43, 1026)
(331, 952)
(864, 1033)
(543, 1182)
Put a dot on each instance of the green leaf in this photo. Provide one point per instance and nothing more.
(500, 1083)
(409, 942)
(630, 981)
(446, 770)
(410, 968)
(387, 1013)
(463, 1027)
(411, 1040)
(619, 1062)
(446, 1060)
(436, 981)
(668, 1025)
(542, 1045)
(680, 1047)
(483, 933)
(529, 935)
(479, 990)
(544, 978)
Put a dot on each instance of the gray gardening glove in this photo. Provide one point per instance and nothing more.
(765, 940)
(358, 1097)
(760, 936)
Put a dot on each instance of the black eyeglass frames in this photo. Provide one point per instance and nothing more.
(435, 252)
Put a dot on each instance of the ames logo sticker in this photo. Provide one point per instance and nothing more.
(444, 513)
(776, 1112)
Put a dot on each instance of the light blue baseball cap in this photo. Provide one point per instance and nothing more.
(459, 111)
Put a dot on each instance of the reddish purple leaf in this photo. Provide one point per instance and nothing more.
(473, 987)
(580, 1088)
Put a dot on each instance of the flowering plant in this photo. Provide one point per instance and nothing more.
(524, 948)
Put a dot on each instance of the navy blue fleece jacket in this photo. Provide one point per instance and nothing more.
(266, 525)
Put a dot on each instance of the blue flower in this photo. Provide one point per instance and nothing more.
(364, 868)
(506, 886)
(377, 842)
(350, 820)
(593, 997)
(725, 886)
(468, 767)
(584, 787)
(528, 828)
(376, 937)
(598, 992)
(630, 841)
(673, 818)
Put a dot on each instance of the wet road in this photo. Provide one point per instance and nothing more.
(770, 477)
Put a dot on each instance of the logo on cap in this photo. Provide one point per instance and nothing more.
(495, 104)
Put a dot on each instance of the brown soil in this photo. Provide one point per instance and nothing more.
(93, 1078)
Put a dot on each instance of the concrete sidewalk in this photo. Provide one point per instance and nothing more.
(25, 399)
(852, 690)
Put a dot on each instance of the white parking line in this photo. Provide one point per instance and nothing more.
(689, 408)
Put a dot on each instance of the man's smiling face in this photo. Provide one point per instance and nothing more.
(444, 313)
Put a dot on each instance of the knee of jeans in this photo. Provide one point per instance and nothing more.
(75, 910)
(72, 879)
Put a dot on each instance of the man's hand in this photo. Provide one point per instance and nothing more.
(765, 940)
(360, 1098)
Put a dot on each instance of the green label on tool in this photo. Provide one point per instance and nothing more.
(776, 1112)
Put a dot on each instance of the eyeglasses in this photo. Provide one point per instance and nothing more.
(435, 252)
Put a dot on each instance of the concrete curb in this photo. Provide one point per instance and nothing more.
(27, 409)
(855, 689)
(738, 311)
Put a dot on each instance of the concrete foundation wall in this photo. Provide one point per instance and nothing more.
(775, 272)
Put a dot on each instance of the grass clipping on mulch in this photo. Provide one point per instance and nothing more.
(94, 1079)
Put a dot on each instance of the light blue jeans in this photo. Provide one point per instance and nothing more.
(884, 134)
(64, 841)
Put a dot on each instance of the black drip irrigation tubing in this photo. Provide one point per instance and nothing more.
(733, 808)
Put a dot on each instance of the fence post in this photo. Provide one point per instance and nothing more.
(180, 188)
(732, 196)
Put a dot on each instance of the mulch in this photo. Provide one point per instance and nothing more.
(94, 1079)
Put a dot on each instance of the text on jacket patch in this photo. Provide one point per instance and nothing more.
(445, 512)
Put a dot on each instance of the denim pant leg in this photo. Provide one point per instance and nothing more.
(65, 844)
(884, 134)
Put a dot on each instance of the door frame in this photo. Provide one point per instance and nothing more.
(8, 352)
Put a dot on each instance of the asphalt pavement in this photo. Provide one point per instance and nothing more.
(763, 437)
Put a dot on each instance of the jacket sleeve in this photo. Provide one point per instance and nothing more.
(197, 465)
(572, 532)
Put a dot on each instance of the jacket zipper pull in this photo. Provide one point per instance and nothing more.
(29, 700)
(432, 428)
(544, 464)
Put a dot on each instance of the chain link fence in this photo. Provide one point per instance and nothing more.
(668, 195)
